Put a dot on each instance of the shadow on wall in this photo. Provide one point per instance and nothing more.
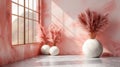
(71, 9)
(111, 39)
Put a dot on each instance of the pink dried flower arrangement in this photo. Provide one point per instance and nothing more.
(44, 36)
(93, 22)
(55, 33)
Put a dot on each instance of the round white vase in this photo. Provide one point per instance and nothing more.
(92, 48)
(45, 49)
(54, 50)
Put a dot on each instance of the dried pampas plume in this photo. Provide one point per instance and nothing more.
(44, 36)
(55, 33)
(93, 21)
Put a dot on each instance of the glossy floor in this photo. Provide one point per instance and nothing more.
(67, 61)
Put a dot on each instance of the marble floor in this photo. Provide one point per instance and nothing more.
(67, 61)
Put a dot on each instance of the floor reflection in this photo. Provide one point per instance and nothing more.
(67, 61)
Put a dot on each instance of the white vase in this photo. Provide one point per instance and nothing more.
(45, 49)
(54, 50)
(92, 48)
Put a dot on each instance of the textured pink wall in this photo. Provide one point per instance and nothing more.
(65, 13)
(9, 53)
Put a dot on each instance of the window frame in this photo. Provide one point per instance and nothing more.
(37, 20)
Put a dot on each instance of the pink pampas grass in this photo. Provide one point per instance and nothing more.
(93, 22)
(55, 33)
(44, 35)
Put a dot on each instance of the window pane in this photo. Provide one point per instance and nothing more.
(27, 30)
(26, 3)
(35, 5)
(27, 12)
(31, 4)
(14, 1)
(35, 16)
(35, 32)
(14, 8)
(21, 11)
(31, 14)
(21, 30)
(30, 31)
(14, 29)
(21, 2)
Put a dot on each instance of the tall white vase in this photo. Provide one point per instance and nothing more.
(92, 48)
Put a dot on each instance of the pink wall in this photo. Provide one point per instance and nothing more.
(9, 53)
(65, 13)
